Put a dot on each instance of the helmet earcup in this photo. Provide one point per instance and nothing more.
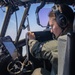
(61, 20)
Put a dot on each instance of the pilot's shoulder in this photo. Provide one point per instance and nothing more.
(63, 38)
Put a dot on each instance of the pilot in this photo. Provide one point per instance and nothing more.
(61, 22)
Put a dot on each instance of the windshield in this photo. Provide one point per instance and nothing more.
(11, 30)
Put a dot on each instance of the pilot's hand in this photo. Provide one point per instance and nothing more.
(31, 35)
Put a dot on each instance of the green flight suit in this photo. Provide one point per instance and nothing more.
(46, 50)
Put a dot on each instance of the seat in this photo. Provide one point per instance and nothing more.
(66, 54)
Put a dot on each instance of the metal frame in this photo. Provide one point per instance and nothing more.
(6, 21)
(22, 22)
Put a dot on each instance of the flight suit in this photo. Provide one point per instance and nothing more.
(46, 50)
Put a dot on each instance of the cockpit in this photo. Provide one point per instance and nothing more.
(17, 17)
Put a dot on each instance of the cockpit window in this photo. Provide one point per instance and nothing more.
(2, 15)
(14, 23)
(14, 26)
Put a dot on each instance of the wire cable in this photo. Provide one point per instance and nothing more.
(16, 29)
(16, 23)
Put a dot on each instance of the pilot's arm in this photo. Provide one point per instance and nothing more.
(45, 50)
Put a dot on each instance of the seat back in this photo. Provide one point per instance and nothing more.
(66, 54)
(71, 53)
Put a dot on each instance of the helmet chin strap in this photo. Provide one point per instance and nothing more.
(54, 37)
(63, 30)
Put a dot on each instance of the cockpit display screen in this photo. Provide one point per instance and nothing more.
(9, 46)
